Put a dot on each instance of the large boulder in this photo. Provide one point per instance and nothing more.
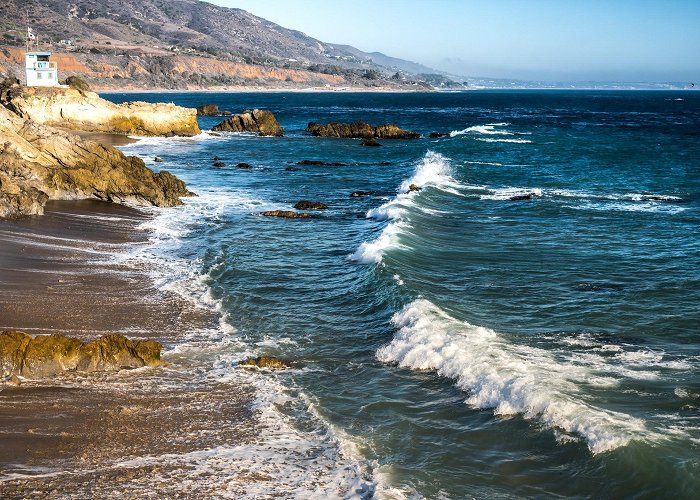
(257, 121)
(82, 110)
(360, 130)
(38, 163)
(49, 355)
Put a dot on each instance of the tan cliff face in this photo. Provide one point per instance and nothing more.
(38, 163)
(74, 109)
(136, 69)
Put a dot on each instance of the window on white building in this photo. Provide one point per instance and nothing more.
(38, 75)
(49, 75)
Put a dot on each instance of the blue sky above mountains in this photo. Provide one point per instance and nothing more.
(630, 40)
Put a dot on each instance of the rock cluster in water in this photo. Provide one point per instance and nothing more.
(50, 355)
(256, 121)
(360, 130)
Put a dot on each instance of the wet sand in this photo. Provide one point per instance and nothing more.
(68, 436)
(102, 137)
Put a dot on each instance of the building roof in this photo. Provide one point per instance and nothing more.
(39, 53)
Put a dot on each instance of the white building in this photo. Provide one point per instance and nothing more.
(41, 72)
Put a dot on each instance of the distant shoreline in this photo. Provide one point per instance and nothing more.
(360, 90)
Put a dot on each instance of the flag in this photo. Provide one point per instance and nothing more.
(30, 35)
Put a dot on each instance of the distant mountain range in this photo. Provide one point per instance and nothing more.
(167, 43)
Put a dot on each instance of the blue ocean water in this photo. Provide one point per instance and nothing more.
(525, 324)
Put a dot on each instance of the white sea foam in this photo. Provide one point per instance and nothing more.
(507, 193)
(474, 162)
(508, 377)
(372, 251)
(294, 459)
(512, 141)
(489, 129)
(432, 171)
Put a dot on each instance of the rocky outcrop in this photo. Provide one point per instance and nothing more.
(310, 205)
(50, 355)
(371, 142)
(211, 110)
(360, 130)
(288, 214)
(38, 163)
(413, 188)
(257, 121)
(269, 362)
(436, 135)
(81, 110)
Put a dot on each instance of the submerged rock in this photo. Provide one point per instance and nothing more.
(270, 362)
(310, 205)
(257, 121)
(244, 166)
(158, 159)
(49, 355)
(360, 130)
(358, 194)
(292, 169)
(435, 135)
(371, 142)
(319, 163)
(524, 197)
(218, 164)
(286, 213)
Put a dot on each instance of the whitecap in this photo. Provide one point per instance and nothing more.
(512, 141)
(432, 171)
(509, 378)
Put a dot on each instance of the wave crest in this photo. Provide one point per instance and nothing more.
(510, 378)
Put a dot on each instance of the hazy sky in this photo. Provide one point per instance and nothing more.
(630, 40)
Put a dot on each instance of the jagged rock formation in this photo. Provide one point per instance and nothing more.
(38, 163)
(50, 355)
(257, 121)
(81, 110)
(360, 130)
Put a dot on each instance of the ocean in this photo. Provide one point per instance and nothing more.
(526, 324)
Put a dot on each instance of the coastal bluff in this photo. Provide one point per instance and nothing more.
(86, 111)
(40, 163)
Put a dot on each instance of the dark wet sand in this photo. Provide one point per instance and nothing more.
(63, 437)
(105, 138)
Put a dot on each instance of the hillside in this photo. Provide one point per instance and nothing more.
(187, 44)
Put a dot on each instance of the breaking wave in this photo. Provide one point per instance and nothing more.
(510, 378)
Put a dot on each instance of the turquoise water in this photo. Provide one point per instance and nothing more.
(454, 342)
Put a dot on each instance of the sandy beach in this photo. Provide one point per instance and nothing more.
(67, 435)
